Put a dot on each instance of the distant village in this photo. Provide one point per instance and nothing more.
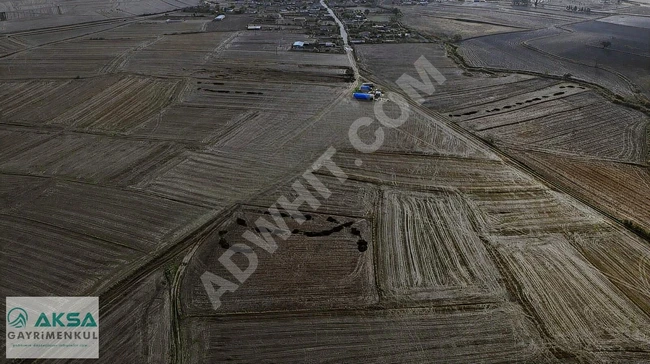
(366, 22)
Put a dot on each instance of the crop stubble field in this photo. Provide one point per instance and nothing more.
(170, 147)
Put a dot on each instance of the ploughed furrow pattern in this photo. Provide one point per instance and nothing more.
(90, 158)
(15, 140)
(352, 198)
(141, 222)
(598, 130)
(318, 266)
(36, 102)
(507, 51)
(535, 210)
(421, 134)
(127, 103)
(495, 115)
(215, 180)
(620, 189)
(14, 188)
(430, 249)
(579, 308)
(433, 172)
(622, 257)
(67, 263)
(492, 335)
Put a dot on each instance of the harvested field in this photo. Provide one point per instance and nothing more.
(510, 52)
(352, 198)
(579, 308)
(152, 29)
(189, 123)
(32, 14)
(106, 103)
(136, 327)
(622, 190)
(623, 258)
(422, 134)
(429, 249)
(426, 172)
(265, 56)
(123, 105)
(9, 45)
(37, 102)
(319, 265)
(76, 58)
(69, 263)
(13, 188)
(487, 17)
(39, 37)
(628, 55)
(215, 180)
(561, 119)
(414, 336)
(427, 22)
(534, 211)
(181, 54)
(460, 89)
(91, 158)
(140, 222)
(14, 140)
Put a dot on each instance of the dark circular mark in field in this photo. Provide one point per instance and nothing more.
(362, 245)
(562, 87)
(355, 231)
(241, 221)
(558, 93)
(223, 243)
(331, 219)
(223, 232)
(507, 107)
(520, 103)
(295, 231)
(537, 99)
(307, 217)
(571, 86)
(470, 113)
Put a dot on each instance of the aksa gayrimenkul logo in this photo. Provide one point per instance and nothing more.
(52, 328)
(17, 318)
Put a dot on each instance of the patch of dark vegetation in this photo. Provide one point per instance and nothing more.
(223, 243)
(327, 232)
(241, 222)
(639, 230)
(362, 245)
(558, 93)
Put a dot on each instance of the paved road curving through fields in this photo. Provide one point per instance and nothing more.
(344, 35)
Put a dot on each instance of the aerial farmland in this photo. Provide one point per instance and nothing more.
(334, 181)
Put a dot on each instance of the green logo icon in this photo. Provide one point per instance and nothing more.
(17, 318)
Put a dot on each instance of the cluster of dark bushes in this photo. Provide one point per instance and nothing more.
(578, 9)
